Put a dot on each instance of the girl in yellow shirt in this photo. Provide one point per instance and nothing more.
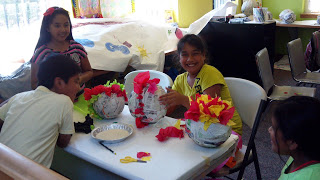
(199, 78)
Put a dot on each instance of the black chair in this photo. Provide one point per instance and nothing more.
(298, 66)
(273, 91)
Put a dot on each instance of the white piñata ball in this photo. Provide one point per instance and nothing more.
(287, 16)
(215, 135)
(153, 110)
(109, 106)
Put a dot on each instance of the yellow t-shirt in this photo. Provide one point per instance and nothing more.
(207, 77)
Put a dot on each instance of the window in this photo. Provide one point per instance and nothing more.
(312, 6)
(218, 3)
(153, 10)
(20, 22)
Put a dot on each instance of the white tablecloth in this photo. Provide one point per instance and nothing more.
(172, 159)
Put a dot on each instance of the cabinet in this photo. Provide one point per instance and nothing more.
(232, 47)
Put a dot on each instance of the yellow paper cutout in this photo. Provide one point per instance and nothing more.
(177, 125)
(143, 51)
(216, 109)
(148, 158)
(231, 123)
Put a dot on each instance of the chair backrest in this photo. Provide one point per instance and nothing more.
(264, 67)
(246, 96)
(15, 166)
(250, 100)
(296, 57)
(165, 80)
(316, 44)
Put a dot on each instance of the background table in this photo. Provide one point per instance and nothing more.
(300, 24)
(293, 28)
(173, 159)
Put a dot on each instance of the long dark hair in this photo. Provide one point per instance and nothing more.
(45, 36)
(298, 119)
(192, 40)
(195, 41)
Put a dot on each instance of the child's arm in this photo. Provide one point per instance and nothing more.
(63, 140)
(99, 72)
(1, 124)
(4, 108)
(87, 72)
(34, 79)
(66, 128)
(171, 109)
(173, 99)
(214, 90)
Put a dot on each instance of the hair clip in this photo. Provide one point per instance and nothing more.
(49, 11)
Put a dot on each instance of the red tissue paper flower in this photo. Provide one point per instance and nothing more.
(226, 115)
(115, 88)
(142, 154)
(152, 88)
(169, 132)
(193, 112)
(139, 83)
(49, 11)
(210, 110)
(124, 94)
(142, 80)
(139, 123)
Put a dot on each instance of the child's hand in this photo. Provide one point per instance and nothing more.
(173, 98)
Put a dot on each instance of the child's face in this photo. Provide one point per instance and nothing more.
(278, 142)
(59, 28)
(72, 87)
(191, 59)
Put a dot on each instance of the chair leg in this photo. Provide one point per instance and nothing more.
(256, 162)
(256, 165)
(241, 172)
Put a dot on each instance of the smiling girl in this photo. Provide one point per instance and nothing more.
(56, 37)
(199, 78)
